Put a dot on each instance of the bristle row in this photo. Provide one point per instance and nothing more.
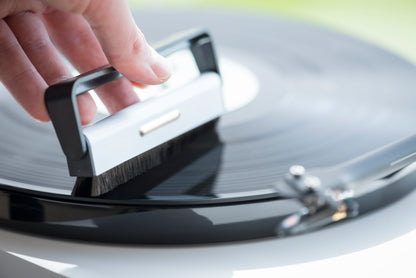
(138, 165)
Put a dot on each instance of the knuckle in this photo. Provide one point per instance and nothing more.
(136, 46)
(82, 39)
(5, 42)
(17, 77)
(139, 43)
(35, 45)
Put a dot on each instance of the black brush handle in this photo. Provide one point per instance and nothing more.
(63, 108)
(61, 101)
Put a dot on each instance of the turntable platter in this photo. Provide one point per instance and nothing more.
(324, 98)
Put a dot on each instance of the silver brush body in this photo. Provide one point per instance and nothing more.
(145, 125)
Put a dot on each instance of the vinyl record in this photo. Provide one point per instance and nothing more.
(323, 98)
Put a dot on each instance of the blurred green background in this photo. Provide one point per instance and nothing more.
(391, 24)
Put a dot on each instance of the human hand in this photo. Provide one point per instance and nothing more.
(90, 33)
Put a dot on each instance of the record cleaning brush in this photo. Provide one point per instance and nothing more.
(126, 144)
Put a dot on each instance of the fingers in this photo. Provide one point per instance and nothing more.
(34, 40)
(121, 40)
(30, 32)
(74, 37)
(124, 44)
(19, 75)
(106, 30)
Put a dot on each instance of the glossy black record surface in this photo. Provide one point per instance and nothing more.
(324, 98)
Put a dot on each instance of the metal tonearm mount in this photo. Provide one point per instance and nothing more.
(335, 193)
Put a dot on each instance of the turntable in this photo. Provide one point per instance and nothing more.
(309, 96)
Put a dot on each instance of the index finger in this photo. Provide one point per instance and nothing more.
(124, 44)
(121, 40)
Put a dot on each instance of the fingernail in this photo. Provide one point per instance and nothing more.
(161, 66)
